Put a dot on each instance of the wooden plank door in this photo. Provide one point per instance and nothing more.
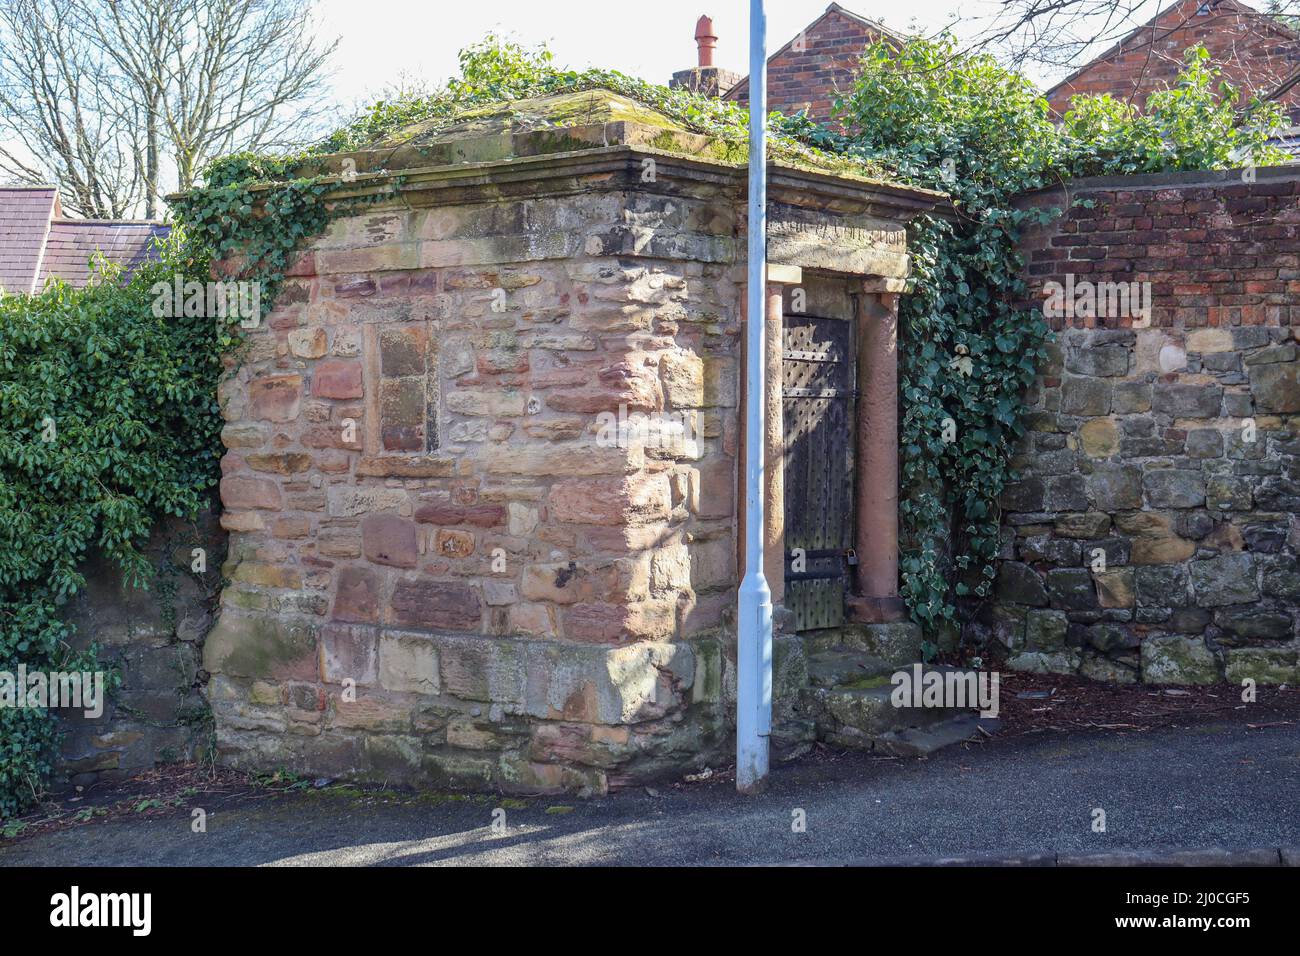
(818, 400)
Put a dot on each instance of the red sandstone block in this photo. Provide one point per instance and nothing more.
(389, 539)
(435, 604)
(446, 513)
(596, 623)
(356, 597)
(337, 378)
(276, 398)
(610, 501)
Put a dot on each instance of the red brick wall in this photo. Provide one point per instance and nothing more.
(1218, 251)
(1254, 55)
(809, 77)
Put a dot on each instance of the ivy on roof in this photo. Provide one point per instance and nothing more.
(496, 75)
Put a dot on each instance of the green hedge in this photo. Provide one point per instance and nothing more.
(108, 424)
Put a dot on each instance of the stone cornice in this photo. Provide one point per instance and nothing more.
(622, 167)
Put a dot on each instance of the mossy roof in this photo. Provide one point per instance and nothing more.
(562, 123)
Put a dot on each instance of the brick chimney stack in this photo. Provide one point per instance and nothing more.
(705, 77)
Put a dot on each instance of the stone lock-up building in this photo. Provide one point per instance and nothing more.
(483, 471)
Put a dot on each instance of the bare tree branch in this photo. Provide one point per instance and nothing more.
(63, 114)
(109, 97)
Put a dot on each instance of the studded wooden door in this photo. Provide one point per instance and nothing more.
(818, 376)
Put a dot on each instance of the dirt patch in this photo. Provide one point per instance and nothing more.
(1032, 703)
(163, 791)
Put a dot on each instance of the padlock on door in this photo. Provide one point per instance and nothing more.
(851, 556)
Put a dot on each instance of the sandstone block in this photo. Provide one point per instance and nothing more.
(1276, 387)
(1209, 340)
(260, 647)
(1187, 400)
(242, 435)
(1115, 588)
(1085, 396)
(1162, 585)
(1228, 579)
(276, 398)
(1045, 631)
(682, 377)
(631, 500)
(337, 378)
(281, 463)
(260, 493)
(356, 596)
(1020, 584)
(483, 515)
(347, 653)
(1114, 487)
(1099, 438)
(1071, 588)
(408, 663)
(1253, 623)
(1174, 488)
(1264, 665)
(308, 343)
(419, 602)
(389, 539)
(1175, 659)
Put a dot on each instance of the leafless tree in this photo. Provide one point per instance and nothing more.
(1060, 34)
(65, 117)
(181, 82)
(219, 75)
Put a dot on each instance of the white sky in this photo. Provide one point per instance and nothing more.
(381, 39)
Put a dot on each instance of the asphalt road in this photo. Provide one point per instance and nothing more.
(1218, 784)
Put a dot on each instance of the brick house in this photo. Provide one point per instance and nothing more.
(38, 243)
(1256, 52)
(804, 74)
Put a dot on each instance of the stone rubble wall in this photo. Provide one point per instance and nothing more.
(1140, 441)
(473, 588)
(153, 639)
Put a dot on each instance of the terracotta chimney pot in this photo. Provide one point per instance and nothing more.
(706, 40)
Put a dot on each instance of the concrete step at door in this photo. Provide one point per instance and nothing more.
(840, 666)
(860, 713)
(897, 643)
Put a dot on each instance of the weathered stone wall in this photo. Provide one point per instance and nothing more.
(1171, 450)
(153, 638)
(442, 571)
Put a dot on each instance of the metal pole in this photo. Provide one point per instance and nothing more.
(754, 617)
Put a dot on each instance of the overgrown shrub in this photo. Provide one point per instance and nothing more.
(109, 424)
